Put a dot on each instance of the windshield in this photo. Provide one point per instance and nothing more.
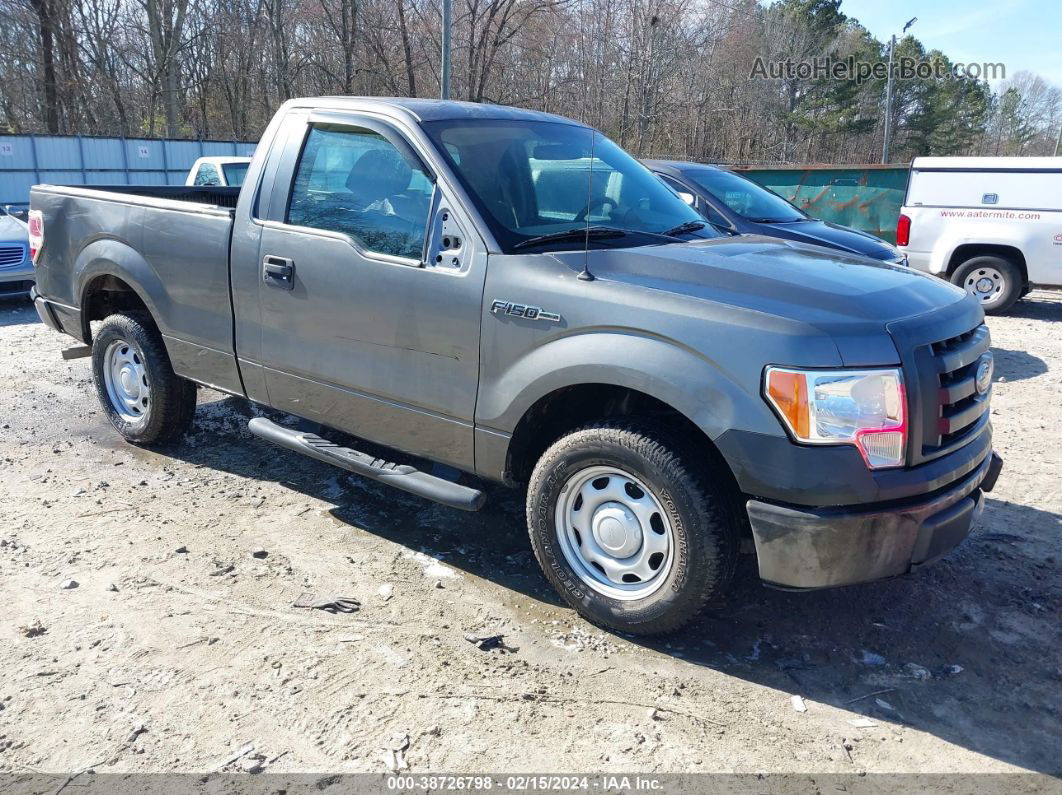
(748, 199)
(531, 179)
(235, 172)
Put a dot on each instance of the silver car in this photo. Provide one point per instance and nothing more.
(16, 268)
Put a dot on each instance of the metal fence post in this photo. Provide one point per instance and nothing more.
(33, 158)
(81, 158)
(125, 159)
(165, 162)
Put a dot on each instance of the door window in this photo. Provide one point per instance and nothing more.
(235, 173)
(678, 187)
(354, 181)
(712, 214)
(703, 207)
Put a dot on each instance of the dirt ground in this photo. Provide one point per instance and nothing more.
(178, 648)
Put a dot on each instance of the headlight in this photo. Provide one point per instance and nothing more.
(866, 408)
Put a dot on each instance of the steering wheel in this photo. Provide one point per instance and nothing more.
(593, 205)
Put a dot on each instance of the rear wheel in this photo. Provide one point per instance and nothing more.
(145, 401)
(994, 281)
(633, 535)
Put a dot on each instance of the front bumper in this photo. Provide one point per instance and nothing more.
(800, 548)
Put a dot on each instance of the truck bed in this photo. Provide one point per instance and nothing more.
(222, 197)
(172, 242)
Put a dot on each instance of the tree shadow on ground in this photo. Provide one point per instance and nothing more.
(1038, 305)
(1016, 365)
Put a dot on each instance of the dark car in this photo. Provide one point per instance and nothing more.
(737, 204)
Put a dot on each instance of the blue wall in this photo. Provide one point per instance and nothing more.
(27, 160)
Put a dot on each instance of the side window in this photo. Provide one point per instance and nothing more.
(675, 185)
(354, 181)
(700, 205)
(207, 176)
(712, 214)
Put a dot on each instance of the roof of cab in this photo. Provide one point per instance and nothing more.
(223, 159)
(987, 163)
(431, 109)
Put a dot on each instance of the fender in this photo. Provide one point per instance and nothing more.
(112, 257)
(692, 384)
(991, 233)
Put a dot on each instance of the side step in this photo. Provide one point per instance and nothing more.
(398, 475)
(77, 352)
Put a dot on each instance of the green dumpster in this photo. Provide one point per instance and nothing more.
(863, 197)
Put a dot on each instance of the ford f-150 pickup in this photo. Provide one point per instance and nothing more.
(509, 294)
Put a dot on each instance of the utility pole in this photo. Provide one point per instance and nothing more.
(1058, 140)
(888, 95)
(444, 79)
(888, 106)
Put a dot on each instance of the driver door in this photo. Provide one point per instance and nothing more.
(359, 332)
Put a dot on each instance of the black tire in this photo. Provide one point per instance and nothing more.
(704, 534)
(1008, 288)
(169, 405)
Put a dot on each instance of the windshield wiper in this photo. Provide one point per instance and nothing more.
(597, 232)
(683, 228)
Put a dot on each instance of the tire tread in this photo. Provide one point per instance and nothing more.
(1009, 269)
(173, 398)
(714, 569)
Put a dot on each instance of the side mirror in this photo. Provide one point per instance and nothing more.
(689, 198)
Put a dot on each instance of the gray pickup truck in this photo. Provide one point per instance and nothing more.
(511, 295)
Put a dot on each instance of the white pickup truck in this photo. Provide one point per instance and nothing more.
(992, 225)
(225, 172)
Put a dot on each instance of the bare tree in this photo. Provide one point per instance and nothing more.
(666, 77)
(165, 27)
(46, 31)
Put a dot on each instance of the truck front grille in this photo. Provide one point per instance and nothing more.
(11, 256)
(958, 409)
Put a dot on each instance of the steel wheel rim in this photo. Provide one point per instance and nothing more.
(126, 381)
(612, 528)
(985, 284)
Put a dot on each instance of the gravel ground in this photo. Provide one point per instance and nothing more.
(177, 648)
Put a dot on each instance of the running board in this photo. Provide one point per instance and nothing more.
(400, 476)
(77, 352)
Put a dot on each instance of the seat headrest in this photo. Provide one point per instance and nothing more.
(378, 174)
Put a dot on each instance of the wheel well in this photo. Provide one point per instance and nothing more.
(104, 296)
(566, 409)
(970, 250)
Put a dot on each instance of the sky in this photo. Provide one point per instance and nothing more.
(1021, 34)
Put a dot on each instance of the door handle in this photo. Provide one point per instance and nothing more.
(278, 272)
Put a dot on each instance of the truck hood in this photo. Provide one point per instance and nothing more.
(833, 235)
(849, 298)
(12, 230)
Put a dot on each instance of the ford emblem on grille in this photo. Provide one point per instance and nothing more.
(983, 379)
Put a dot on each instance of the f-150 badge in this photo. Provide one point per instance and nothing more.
(500, 307)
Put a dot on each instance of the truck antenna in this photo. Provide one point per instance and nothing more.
(586, 275)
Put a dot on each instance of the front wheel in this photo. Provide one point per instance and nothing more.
(994, 281)
(632, 535)
(145, 401)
